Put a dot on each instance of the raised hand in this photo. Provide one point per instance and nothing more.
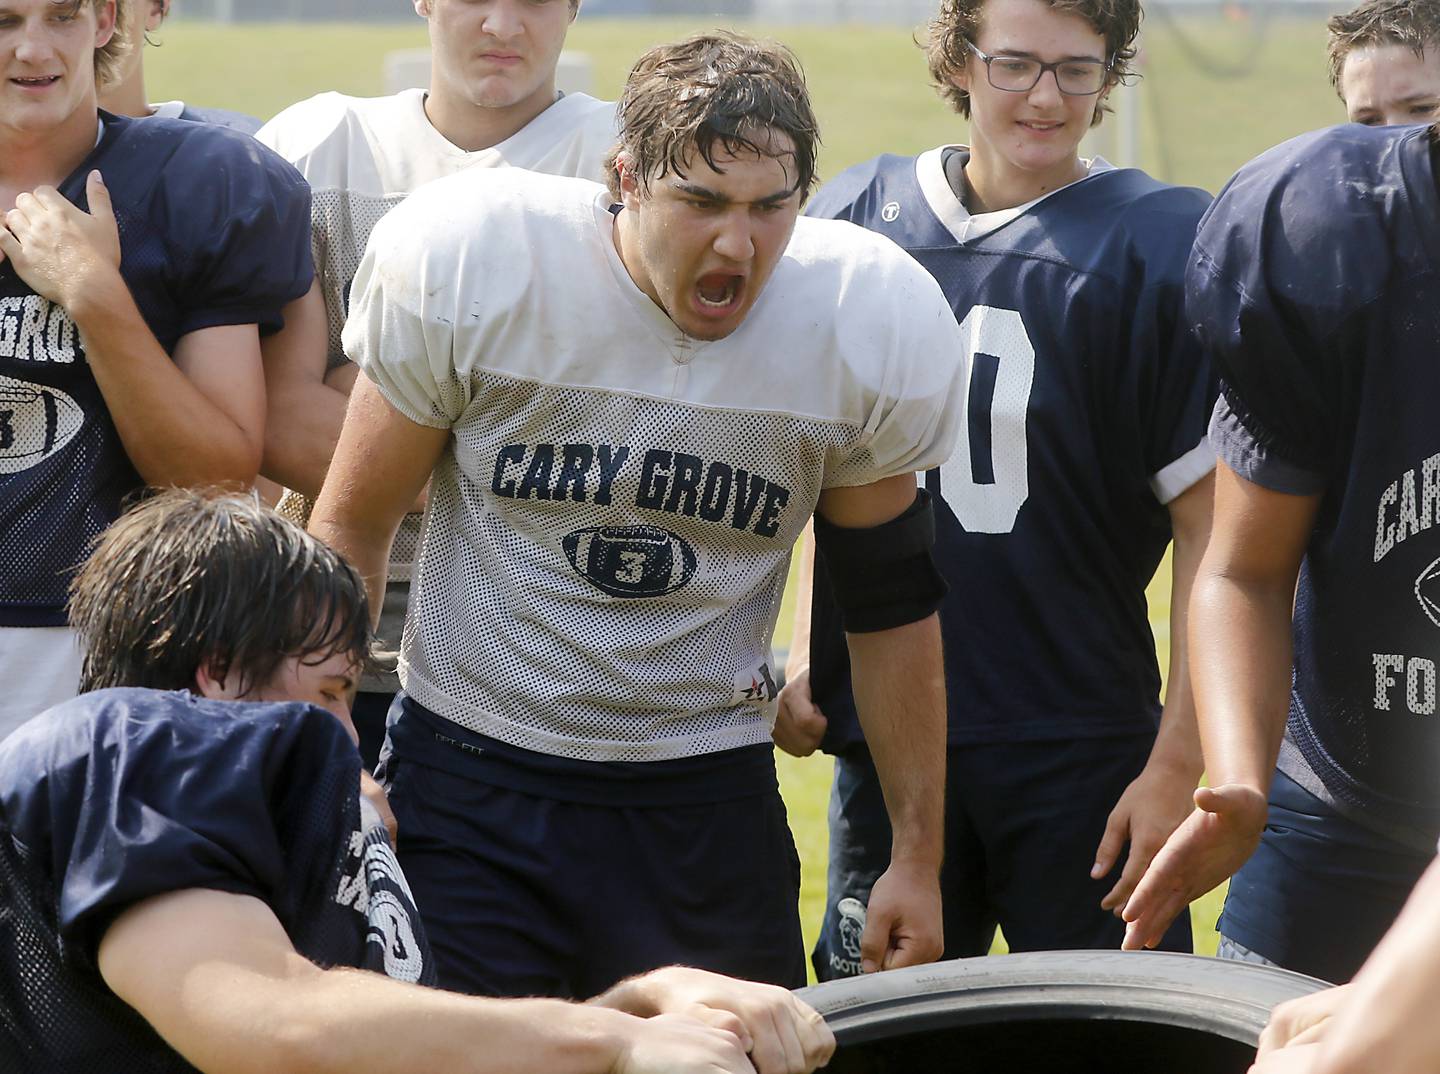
(57, 249)
(1204, 851)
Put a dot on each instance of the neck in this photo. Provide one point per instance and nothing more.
(994, 184)
(472, 127)
(127, 97)
(29, 159)
(624, 238)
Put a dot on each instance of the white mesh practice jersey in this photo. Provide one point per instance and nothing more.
(362, 156)
(607, 538)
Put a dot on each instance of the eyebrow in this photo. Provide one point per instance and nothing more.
(1021, 54)
(345, 682)
(62, 5)
(695, 190)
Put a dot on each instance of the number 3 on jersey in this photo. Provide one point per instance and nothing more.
(987, 479)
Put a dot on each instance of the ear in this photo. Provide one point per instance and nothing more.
(960, 78)
(105, 24)
(208, 686)
(422, 8)
(630, 192)
(1100, 99)
(159, 11)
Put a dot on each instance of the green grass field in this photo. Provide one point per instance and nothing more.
(1215, 92)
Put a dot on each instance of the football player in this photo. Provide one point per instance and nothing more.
(1329, 472)
(125, 95)
(491, 103)
(632, 400)
(1083, 455)
(139, 263)
(1385, 63)
(190, 877)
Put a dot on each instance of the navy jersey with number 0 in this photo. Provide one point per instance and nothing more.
(121, 795)
(1087, 405)
(1314, 285)
(214, 230)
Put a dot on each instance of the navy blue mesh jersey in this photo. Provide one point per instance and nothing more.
(214, 230)
(121, 795)
(222, 117)
(1087, 406)
(1314, 286)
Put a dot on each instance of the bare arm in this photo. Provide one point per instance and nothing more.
(799, 723)
(1240, 662)
(1240, 627)
(381, 463)
(899, 683)
(1160, 798)
(196, 419)
(306, 412)
(218, 979)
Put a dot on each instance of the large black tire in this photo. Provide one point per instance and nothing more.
(1056, 1012)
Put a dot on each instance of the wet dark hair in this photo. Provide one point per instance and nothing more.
(1412, 23)
(958, 22)
(714, 93)
(209, 578)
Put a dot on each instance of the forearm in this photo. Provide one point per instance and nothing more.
(364, 542)
(381, 463)
(352, 1022)
(898, 679)
(302, 427)
(804, 583)
(1177, 743)
(171, 432)
(217, 977)
(1240, 659)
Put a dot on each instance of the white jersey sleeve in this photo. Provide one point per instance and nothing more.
(898, 356)
(401, 327)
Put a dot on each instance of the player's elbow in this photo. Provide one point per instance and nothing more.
(300, 1043)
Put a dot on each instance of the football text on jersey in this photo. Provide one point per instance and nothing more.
(1409, 506)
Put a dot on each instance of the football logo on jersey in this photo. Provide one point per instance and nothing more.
(1427, 592)
(630, 561)
(891, 212)
(35, 422)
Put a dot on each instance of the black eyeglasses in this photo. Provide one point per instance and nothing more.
(1020, 74)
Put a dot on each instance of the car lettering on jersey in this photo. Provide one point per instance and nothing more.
(1402, 513)
(670, 481)
(35, 422)
(540, 479)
